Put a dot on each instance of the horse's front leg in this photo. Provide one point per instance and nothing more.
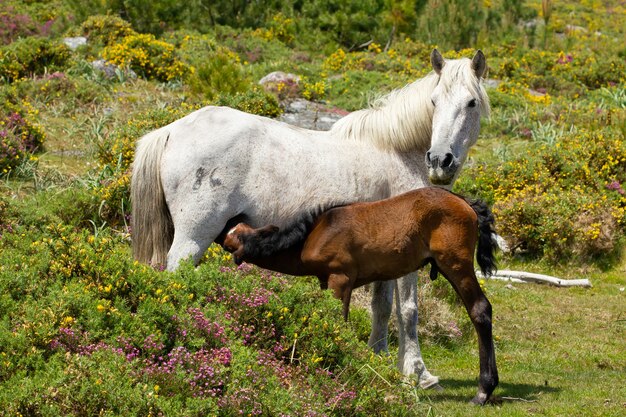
(382, 301)
(409, 355)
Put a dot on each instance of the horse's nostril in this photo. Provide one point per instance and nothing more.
(447, 161)
(428, 156)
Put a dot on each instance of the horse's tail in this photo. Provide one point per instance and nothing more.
(272, 240)
(485, 254)
(151, 224)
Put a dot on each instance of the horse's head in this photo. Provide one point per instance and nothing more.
(459, 100)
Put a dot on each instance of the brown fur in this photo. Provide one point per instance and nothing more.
(354, 245)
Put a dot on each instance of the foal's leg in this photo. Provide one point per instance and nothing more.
(409, 355)
(479, 310)
(340, 284)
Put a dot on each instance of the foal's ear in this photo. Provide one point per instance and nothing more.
(437, 61)
(479, 64)
(267, 230)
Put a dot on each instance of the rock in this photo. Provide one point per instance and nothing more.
(110, 70)
(310, 115)
(536, 93)
(502, 243)
(283, 85)
(277, 77)
(75, 42)
(574, 29)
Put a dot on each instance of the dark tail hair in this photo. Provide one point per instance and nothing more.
(270, 239)
(485, 255)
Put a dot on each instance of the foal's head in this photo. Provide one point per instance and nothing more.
(235, 240)
(232, 241)
(459, 100)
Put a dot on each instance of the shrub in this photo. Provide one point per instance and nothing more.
(217, 339)
(219, 73)
(19, 138)
(148, 57)
(32, 56)
(104, 29)
(280, 27)
(14, 25)
(563, 199)
(253, 101)
(453, 24)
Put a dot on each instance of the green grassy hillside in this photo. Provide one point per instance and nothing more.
(85, 330)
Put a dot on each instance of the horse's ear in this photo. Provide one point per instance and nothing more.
(479, 64)
(437, 61)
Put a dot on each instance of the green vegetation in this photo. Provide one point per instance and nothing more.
(86, 331)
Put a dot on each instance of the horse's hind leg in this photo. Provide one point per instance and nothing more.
(479, 309)
(409, 355)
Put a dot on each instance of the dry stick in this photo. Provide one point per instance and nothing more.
(525, 277)
(379, 375)
(293, 350)
(518, 399)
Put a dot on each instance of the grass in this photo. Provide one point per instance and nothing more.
(559, 351)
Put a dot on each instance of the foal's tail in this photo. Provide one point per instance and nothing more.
(151, 224)
(485, 254)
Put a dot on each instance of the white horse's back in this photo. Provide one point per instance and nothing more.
(220, 162)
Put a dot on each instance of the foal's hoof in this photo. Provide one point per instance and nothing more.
(480, 399)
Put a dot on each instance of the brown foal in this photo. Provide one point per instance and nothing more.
(350, 246)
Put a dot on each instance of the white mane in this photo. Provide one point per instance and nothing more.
(402, 120)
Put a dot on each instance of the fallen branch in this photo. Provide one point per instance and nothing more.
(518, 399)
(526, 277)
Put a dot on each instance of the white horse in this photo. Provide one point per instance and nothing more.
(202, 174)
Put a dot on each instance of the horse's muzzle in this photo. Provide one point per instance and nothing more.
(441, 167)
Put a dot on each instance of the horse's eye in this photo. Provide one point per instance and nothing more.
(472, 103)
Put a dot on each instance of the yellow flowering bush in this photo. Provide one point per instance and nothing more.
(220, 72)
(335, 61)
(560, 199)
(104, 29)
(32, 56)
(148, 57)
(569, 72)
(280, 27)
(314, 91)
(20, 138)
(255, 101)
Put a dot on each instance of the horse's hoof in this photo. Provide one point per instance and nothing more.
(479, 399)
(432, 382)
(435, 387)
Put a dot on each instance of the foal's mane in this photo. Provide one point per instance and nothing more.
(402, 120)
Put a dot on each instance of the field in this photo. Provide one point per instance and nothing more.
(85, 330)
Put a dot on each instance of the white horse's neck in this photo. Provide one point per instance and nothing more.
(410, 173)
(400, 121)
